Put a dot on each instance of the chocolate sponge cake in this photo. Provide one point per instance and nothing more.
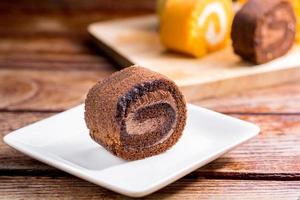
(135, 113)
(263, 30)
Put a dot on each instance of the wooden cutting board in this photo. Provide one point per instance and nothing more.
(136, 41)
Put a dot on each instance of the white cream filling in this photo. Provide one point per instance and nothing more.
(211, 36)
(134, 127)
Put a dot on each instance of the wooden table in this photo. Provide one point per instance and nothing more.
(47, 65)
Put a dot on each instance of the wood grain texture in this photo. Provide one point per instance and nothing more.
(53, 61)
(282, 99)
(73, 188)
(45, 90)
(61, 24)
(274, 152)
(50, 89)
(260, 158)
(37, 6)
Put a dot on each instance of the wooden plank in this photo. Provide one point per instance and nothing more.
(44, 45)
(54, 61)
(136, 41)
(61, 23)
(58, 90)
(260, 158)
(275, 152)
(73, 188)
(284, 98)
(58, 53)
(46, 90)
(77, 5)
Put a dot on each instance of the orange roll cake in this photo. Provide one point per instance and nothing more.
(196, 27)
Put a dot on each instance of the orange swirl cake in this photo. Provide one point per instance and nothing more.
(196, 27)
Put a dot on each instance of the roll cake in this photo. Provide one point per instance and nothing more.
(296, 6)
(196, 27)
(135, 113)
(263, 30)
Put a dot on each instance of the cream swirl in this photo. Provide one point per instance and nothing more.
(212, 36)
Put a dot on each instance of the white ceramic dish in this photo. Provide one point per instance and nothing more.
(63, 141)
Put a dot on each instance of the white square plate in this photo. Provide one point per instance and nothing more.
(63, 141)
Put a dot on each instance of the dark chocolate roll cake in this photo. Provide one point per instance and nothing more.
(263, 30)
(135, 113)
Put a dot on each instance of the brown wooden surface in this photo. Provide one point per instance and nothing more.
(48, 63)
(187, 188)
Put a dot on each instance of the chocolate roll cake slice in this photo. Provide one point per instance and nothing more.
(263, 30)
(135, 113)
